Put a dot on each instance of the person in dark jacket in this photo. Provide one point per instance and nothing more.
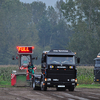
(30, 69)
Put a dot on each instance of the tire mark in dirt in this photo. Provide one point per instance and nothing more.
(91, 93)
(4, 95)
(18, 97)
(72, 96)
(64, 95)
(31, 95)
(50, 94)
(58, 96)
(94, 97)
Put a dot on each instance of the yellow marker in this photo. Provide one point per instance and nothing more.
(71, 67)
(77, 84)
(97, 79)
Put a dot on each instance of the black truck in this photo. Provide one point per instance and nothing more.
(97, 69)
(58, 70)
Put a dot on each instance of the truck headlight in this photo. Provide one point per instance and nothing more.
(48, 79)
(73, 83)
(51, 66)
(45, 79)
(55, 79)
(76, 80)
(72, 80)
(67, 79)
(48, 83)
(71, 67)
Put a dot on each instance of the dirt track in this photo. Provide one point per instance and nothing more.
(22, 93)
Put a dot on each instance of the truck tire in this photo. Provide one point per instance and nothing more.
(71, 88)
(43, 87)
(33, 84)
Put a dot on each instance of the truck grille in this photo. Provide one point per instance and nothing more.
(61, 74)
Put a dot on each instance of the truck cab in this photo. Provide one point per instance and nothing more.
(58, 70)
(97, 69)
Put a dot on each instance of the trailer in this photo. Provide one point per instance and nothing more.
(58, 69)
(20, 77)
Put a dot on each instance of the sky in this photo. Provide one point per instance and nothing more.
(48, 2)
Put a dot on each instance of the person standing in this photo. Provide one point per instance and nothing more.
(30, 69)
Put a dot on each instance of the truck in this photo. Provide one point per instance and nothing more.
(97, 69)
(20, 76)
(58, 69)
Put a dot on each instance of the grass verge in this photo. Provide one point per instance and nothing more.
(5, 84)
(88, 86)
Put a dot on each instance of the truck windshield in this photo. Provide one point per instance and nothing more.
(25, 60)
(97, 63)
(61, 60)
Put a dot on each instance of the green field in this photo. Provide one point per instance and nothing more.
(84, 76)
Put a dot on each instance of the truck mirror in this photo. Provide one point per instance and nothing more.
(13, 58)
(78, 60)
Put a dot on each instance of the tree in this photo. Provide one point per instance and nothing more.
(84, 44)
(58, 9)
(14, 25)
(83, 16)
(38, 10)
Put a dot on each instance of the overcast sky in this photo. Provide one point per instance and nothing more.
(48, 2)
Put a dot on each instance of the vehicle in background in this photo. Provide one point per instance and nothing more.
(20, 77)
(98, 55)
(97, 69)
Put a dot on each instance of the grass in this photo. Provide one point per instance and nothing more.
(5, 84)
(88, 86)
(85, 75)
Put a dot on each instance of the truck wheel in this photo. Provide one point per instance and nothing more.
(71, 89)
(33, 84)
(43, 87)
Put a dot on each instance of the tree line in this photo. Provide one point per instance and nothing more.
(73, 25)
